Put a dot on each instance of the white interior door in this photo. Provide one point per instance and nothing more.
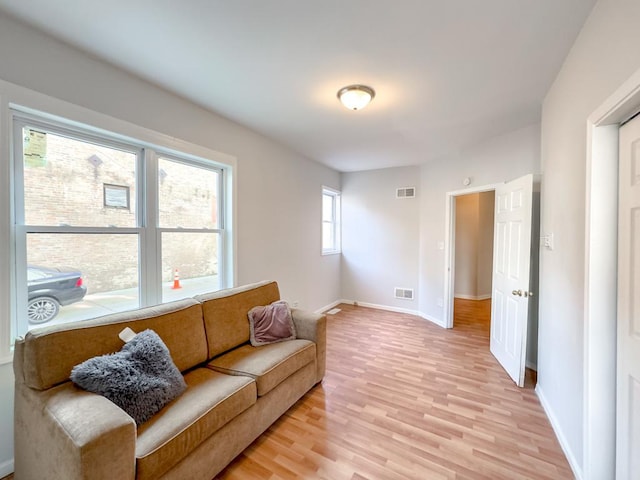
(511, 258)
(628, 362)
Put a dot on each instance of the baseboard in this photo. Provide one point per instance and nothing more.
(386, 307)
(391, 309)
(577, 470)
(471, 297)
(381, 307)
(6, 468)
(332, 305)
(439, 323)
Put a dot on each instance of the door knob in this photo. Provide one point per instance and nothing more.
(517, 292)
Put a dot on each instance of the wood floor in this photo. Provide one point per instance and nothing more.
(405, 399)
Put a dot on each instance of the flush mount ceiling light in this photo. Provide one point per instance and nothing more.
(356, 97)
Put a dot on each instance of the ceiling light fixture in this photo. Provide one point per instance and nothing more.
(356, 97)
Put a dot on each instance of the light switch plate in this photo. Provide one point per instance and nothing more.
(547, 241)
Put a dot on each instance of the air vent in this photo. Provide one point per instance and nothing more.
(406, 192)
(404, 293)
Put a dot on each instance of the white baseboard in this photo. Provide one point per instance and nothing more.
(577, 470)
(383, 307)
(439, 323)
(471, 297)
(332, 305)
(390, 309)
(6, 468)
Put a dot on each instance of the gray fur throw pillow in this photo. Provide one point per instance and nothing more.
(141, 378)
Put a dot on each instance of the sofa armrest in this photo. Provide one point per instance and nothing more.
(313, 326)
(67, 433)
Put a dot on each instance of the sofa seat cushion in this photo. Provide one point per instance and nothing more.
(210, 401)
(269, 365)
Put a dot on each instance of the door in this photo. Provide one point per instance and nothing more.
(628, 361)
(511, 259)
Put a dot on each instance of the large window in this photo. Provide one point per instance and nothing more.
(330, 221)
(104, 224)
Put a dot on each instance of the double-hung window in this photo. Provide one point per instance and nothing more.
(330, 221)
(105, 224)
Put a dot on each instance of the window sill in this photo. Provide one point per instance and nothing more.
(5, 359)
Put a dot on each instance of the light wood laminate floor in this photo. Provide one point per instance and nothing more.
(406, 399)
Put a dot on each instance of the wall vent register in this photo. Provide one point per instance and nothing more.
(406, 192)
(404, 293)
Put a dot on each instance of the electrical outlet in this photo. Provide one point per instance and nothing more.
(440, 302)
(295, 303)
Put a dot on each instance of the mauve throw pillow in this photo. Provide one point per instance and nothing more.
(271, 324)
(141, 378)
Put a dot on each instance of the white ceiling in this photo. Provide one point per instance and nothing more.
(447, 73)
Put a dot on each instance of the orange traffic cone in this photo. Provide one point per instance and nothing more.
(176, 280)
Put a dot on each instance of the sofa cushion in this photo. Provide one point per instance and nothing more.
(225, 313)
(269, 365)
(141, 378)
(211, 400)
(49, 353)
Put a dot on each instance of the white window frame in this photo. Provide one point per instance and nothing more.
(147, 229)
(335, 221)
(16, 100)
(22, 230)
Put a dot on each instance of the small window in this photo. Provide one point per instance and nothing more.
(330, 221)
(116, 196)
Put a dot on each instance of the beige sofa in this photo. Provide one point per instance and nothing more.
(234, 391)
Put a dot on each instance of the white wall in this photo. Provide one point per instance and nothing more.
(604, 55)
(277, 188)
(380, 236)
(466, 257)
(497, 160)
(485, 243)
(391, 243)
(278, 191)
(6, 419)
(474, 245)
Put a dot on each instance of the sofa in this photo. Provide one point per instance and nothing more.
(235, 391)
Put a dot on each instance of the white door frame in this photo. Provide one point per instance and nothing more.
(450, 246)
(601, 260)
